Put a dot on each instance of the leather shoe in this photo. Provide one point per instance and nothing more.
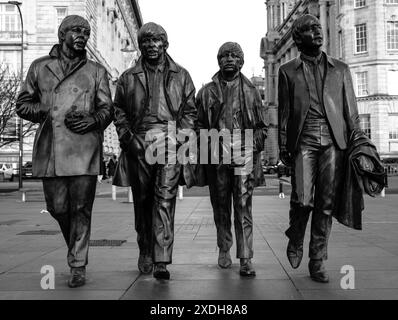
(246, 268)
(224, 259)
(78, 277)
(160, 271)
(317, 271)
(145, 264)
(294, 253)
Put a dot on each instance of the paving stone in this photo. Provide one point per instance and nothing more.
(223, 289)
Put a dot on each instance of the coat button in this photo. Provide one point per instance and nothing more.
(55, 108)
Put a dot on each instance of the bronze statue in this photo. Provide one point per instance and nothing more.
(231, 102)
(153, 95)
(68, 96)
(317, 115)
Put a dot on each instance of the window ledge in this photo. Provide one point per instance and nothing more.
(361, 53)
(356, 8)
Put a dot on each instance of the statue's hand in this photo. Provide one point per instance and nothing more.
(134, 145)
(286, 157)
(365, 163)
(258, 142)
(80, 122)
(43, 111)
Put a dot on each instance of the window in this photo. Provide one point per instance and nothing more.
(272, 17)
(361, 43)
(278, 16)
(392, 35)
(9, 21)
(283, 11)
(392, 80)
(393, 126)
(341, 44)
(364, 122)
(362, 83)
(61, 13)
(360, 3)
(392, 1)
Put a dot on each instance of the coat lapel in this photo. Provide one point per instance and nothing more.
(55, 68)
(138, 71)
(215, 108)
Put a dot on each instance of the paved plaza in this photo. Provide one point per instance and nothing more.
(112, 270)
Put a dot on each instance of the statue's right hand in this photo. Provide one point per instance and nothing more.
(44, 110)
(286, 157)
(134, 145)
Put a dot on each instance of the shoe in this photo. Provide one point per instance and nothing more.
(224, 259)
(160, 271)
(294, 253)
(246, 268)
(317, 271)
(145, 264)
(78, 277)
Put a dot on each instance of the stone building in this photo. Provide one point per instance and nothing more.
(113, 43)
(364, 34)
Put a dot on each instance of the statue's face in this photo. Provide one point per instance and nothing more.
(76, 38)
(152, 48)
(230, 62)
(311, 36)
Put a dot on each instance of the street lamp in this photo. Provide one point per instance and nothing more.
(20, 125)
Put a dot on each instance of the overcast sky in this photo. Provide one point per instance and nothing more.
(196, 30)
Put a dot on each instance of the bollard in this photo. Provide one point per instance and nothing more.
(130, 195)
(383, 193)
(113, 193)
(180, 193)
(23, 196)
(281, 193)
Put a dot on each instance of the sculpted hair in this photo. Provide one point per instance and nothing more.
(297, 27)
(152, 29)
(231, 47)
(72, 21)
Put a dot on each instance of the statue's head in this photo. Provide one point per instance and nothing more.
(152, 41)
(307, 33)
(230, 59)
(74, 32)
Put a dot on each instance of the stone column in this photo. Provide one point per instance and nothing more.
(333, 41)
(324, 23)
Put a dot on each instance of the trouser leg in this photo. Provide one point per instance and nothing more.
(220, 186)
(166, 184)
(329, 177)
(143, 177)
(302, 199)
(243, 220)
(57, 201)
(82, 194)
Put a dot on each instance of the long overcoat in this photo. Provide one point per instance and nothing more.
(57, 151)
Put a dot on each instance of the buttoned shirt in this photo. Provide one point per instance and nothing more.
(314, 71)
(157, 112)
(231, 117)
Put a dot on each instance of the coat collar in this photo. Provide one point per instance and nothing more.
(298, 62)
(217, 88)
(172, 66)
(55, 67)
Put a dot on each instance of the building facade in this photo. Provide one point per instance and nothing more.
(364, 34)
(113, 43)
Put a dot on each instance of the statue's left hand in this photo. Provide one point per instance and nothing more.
(365, 163)
(81, 125)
